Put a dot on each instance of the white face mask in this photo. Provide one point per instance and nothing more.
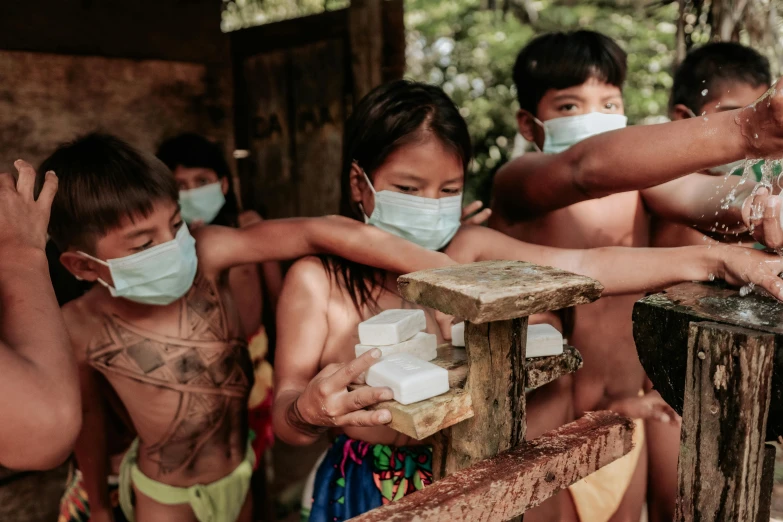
(202, 203)
(428, 222)
(563, 133)
(157, 276)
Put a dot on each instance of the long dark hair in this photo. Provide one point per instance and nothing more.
(193, 151)
(391, 116)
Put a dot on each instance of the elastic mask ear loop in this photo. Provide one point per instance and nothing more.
(374, 194)
(693, 114)
(540, 124)
(99, 261)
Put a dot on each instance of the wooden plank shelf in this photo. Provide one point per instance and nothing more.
(423, 419)
(497, 290)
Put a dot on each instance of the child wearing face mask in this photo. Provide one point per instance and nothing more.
(713, 78)
(161, 326)
(597, 183)
(406, 154)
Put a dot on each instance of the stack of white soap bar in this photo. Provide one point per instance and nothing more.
(542, 339)
(422, 345)
(410, 378)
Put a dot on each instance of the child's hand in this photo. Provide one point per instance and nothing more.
(23, 220)
(740, 266)
(762, 124)
(648, 407)
(477, 219)
(326, 401)
(761, 214)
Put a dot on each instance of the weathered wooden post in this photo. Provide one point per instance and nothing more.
(489, 472)
(711, 354)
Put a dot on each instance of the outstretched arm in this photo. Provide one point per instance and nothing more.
(40, 390)
(637, 158)
(624, 270)
(283, 239)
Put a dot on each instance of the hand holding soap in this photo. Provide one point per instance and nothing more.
(411, 379)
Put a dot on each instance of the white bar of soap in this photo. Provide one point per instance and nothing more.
(391, 327)
(423, 345)
(411, 379)
(543, 340)
(458, 334)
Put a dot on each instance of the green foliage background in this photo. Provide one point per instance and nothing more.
(468, 47)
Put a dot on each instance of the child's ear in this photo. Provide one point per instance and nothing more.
(527, 125)
(358, 183)
(681, 112)
(80, 267)
(224, 185)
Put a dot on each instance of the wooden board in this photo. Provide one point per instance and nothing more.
(543, 370)
(497, 290)
(510, 483)
(722, 446)
(661, 334)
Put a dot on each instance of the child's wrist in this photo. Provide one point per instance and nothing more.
(297, 421)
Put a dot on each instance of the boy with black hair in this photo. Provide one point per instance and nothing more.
(717, 77)
(162, 329)
(587, 190)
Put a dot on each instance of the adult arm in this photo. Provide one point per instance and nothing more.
(40, 392)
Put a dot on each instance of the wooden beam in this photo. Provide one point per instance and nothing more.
(727, 395)
(660, 328)
(767, 483)
(497, 290)
(543, 370)
(365, 27)
(496, 384)
(509, 484)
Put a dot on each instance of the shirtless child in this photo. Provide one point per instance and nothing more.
(717, 77)
(406, 155)
(583, 192)
(161, 327)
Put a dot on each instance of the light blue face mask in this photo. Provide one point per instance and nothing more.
(563, 133)
(158, 276)
(202, 203)
(430, 223)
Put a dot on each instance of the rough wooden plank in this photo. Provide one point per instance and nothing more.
(508, 484)
(543, 370)
(393, 19)
(767, 484)
(365, 28)
(724, 422)
(497, 290)
(496, 383)
(660, 324)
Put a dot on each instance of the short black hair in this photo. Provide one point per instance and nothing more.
(193, 151)
(565, 59)
(714, 64)
(102, 180)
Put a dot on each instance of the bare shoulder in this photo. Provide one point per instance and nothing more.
(310, 271)
(248, 217)
(83, 319)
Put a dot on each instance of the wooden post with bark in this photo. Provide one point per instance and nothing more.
(487, 471)
(711, 354)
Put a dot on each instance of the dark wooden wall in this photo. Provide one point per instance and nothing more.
(143, 70)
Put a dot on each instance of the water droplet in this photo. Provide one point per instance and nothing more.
(704, 92)
(710, 276)
(702, 356)
(756, 136)
(714, 409)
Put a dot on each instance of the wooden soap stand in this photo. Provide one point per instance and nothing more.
(485, 470)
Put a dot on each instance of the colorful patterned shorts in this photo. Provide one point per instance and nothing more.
(74, 506)
(355, 477)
